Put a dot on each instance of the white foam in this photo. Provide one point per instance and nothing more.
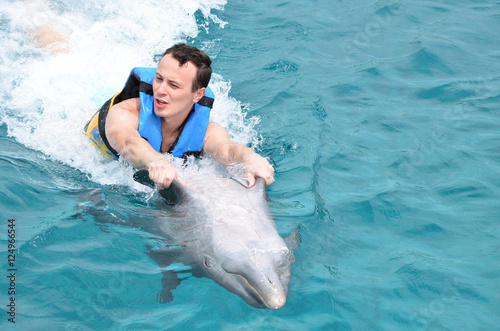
(49, 98)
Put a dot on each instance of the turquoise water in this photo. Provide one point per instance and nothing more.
(381, 119)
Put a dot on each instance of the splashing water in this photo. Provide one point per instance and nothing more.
(90, 49)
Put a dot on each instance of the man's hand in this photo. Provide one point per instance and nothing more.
(162, 172)
(257, 166)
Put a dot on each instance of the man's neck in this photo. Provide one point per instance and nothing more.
(172, 125)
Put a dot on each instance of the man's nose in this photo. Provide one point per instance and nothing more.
(163, 89)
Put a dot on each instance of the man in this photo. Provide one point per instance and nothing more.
(146, 120)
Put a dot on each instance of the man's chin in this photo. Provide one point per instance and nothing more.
(160, 112)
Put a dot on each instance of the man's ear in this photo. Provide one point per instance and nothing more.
(199, 94)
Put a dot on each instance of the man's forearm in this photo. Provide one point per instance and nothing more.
(139, 153)
(232, 153)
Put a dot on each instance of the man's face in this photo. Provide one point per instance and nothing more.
(172, 85)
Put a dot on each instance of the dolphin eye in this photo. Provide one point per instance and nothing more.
(207, 262)
(291, 258)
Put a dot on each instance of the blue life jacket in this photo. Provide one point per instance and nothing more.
(140, 85)
(192, 136)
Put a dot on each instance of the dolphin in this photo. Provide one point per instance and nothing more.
(223, 230)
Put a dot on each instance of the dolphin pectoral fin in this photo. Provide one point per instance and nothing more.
(166, 256)
(293, 240)
(169, 282)
(259, 183)
(172, 194)
(259, 186)
(242, 181)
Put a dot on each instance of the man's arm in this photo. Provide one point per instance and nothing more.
(219, 146)
(44, 27)
(122, 125)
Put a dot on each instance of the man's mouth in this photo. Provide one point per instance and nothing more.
(161, 102)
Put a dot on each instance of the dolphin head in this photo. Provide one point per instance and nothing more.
(259, 276)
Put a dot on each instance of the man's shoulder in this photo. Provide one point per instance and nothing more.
(214, 127)
(127, 107)
(216, 134)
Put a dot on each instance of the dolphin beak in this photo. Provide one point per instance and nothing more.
(262, 281)
(272, 295)
(276, 302)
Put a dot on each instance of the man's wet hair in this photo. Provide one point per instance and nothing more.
(185, 53)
